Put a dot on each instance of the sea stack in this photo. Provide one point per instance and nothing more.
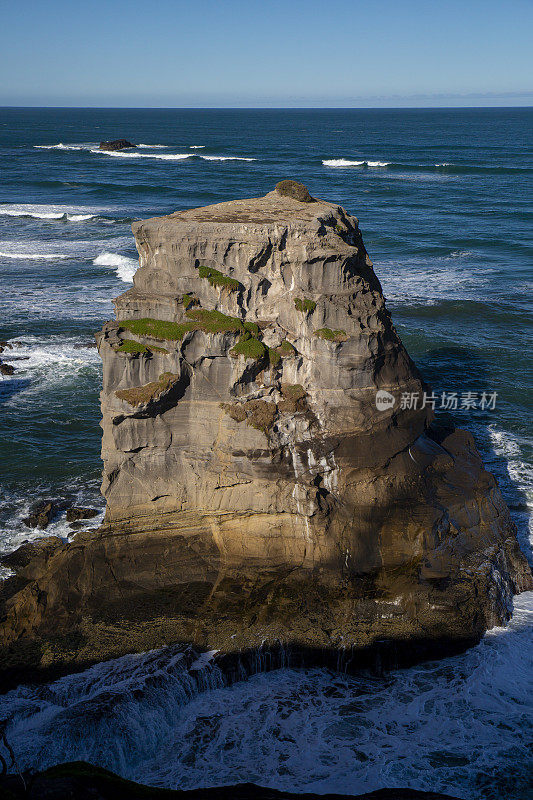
(116, 144)
(260, 492)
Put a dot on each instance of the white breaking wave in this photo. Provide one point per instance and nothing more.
(33, 256)
(46, 212)
(443, 164)
(457, 725)
(79, 249)
(431, 280)
(227, 158)
(171, 156)
(161, 156)
(61, 146)
(197, 146)
(153, 146)
(344, 162)
(124, 266)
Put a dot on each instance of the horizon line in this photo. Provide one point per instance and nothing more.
(267, 108)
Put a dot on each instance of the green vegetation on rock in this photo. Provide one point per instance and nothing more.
(295, 190)
(249, 347)
(156, 328)
(189, 300)
(235, 411)
(304, 305)
(214, 321)
(141, 395)
(131, 347)
(251, 327)
(294, 396)
(331, 336)
(273, 357)
(286, 349)
(260, 415)
(218, 279)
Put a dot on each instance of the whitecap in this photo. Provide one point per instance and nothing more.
(153, 146)
(344, 162)
(161, 156)
(124, 266)
(62, 146)
(197, 146)
(46, 212)
(33, 256)
(227, 158)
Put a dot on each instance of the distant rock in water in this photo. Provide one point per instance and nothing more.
(265, 484)
(116, 144)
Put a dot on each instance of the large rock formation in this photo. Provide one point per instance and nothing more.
(255, 492)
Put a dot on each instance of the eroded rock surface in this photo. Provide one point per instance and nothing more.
(255, 493)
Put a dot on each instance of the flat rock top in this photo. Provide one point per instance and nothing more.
(273, 207)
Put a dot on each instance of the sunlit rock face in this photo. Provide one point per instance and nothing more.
(255, 490)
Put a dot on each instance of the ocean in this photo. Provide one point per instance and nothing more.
(443, 198)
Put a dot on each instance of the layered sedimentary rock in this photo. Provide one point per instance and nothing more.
(255, 492)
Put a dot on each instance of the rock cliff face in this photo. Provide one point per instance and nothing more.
(255, 492)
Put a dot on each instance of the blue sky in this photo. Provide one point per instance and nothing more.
(266, 53)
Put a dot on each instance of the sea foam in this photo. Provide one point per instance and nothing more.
(344, 162)
(45, 212)
(124, 266)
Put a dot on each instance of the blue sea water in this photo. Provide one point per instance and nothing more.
(444, 203)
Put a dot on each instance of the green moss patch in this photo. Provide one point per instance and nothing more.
(249, 347)
(141, 395)
(286, 349)
(274, 357)
(294, 398)
(214, 321)
(235, 411)
(157, 328)
(216, 278)
(304, 305)
(251, 327)
(189, 301)
(131, 348)
(260, 414)
(331, 336)
(294, 189)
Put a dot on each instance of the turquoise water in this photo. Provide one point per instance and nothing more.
(444, 203)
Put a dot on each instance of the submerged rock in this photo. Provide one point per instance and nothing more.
(258, 490)
(116, 144)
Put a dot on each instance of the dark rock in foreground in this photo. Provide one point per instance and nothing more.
(84, 781)
(256, 493)
(40, 515)
(116, 144)
(76, 513)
